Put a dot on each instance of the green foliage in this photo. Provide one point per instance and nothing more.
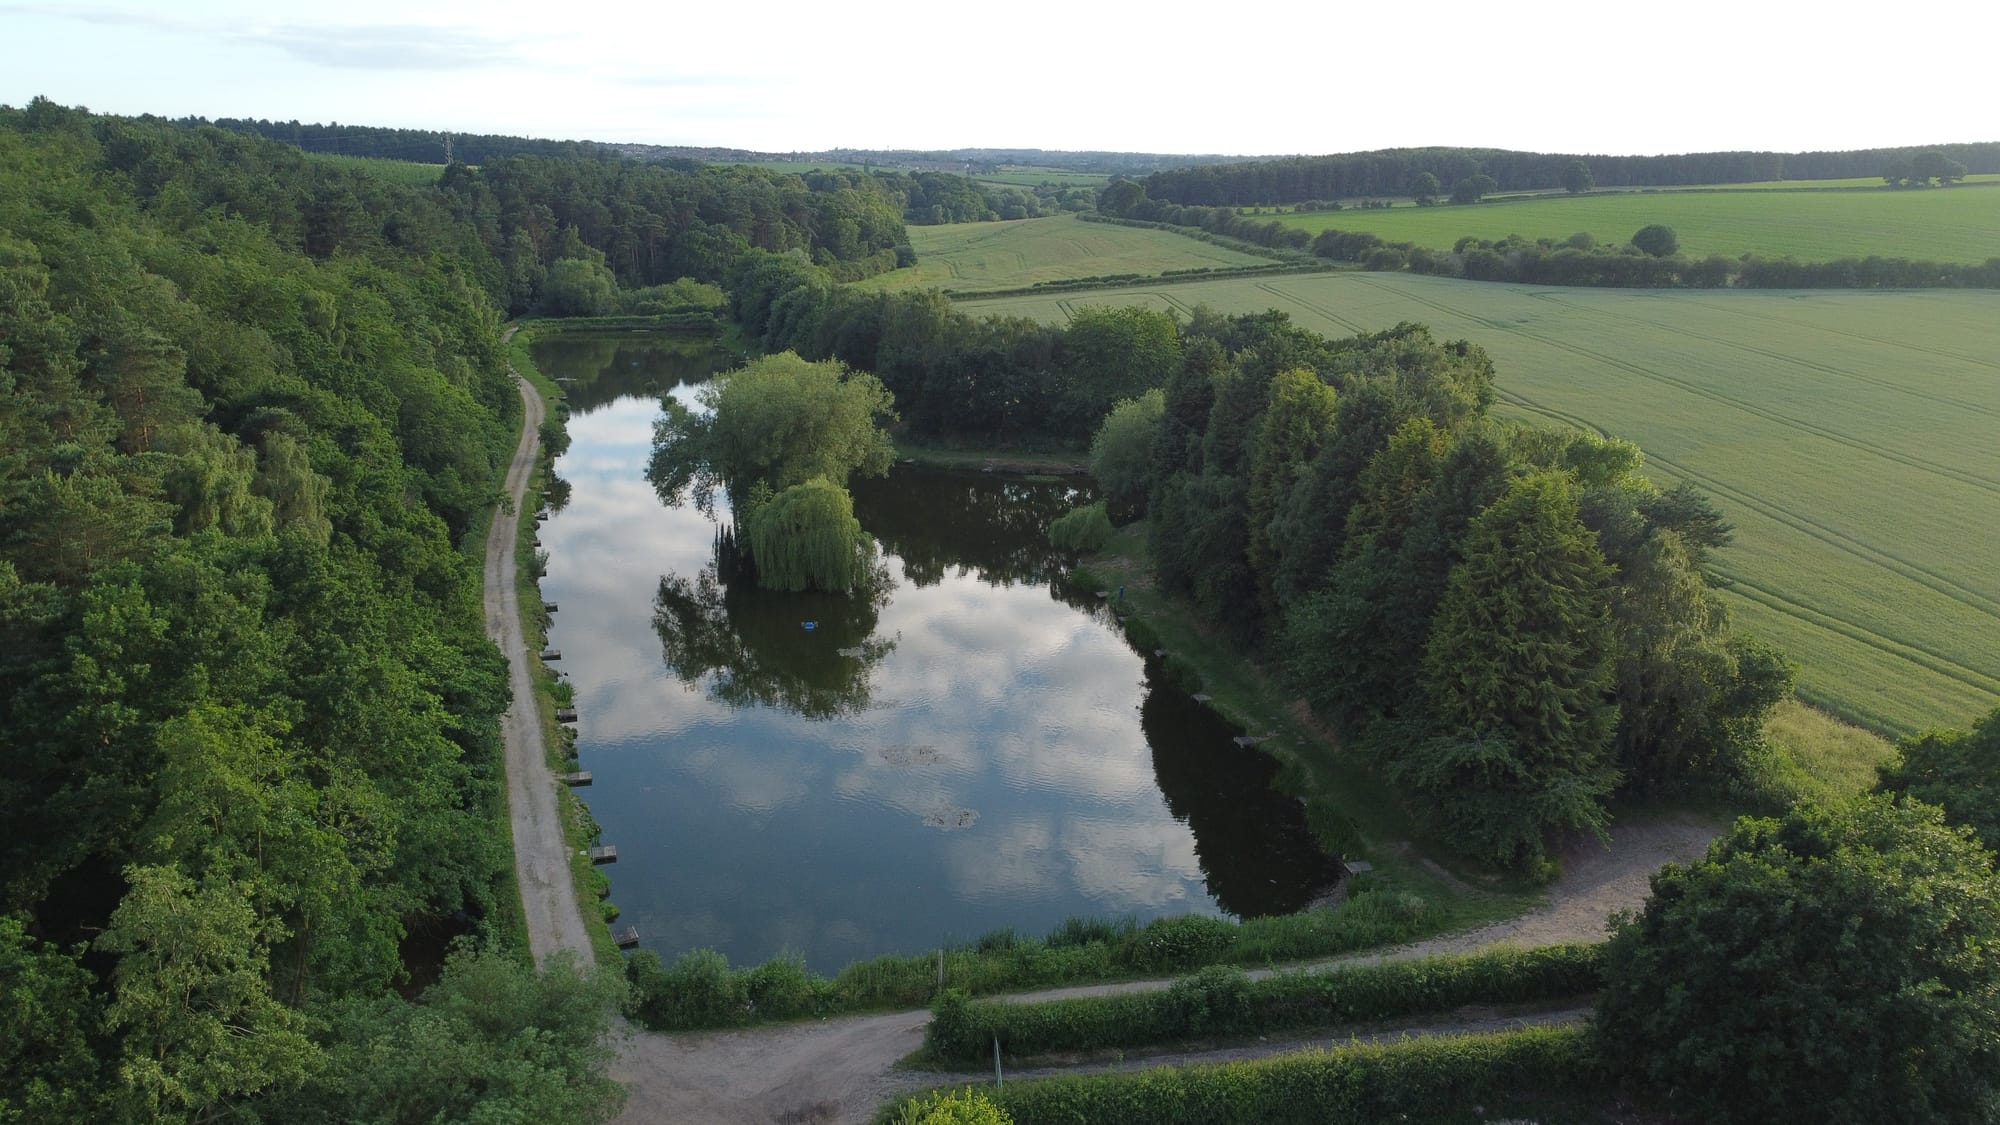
(1430, 1080)
(806, 538)
(1222, 1001)
(1866, 930)
(198, 1026)
(1472, 189)
(492, 1040)
(1517, 669)
(1657, 239)
(1113, 354)
(1958, 770)
(700, 989)
(250, 411)
(1121, 455)
(579, 287)
(49, 1070)
(967, 1107)
(1082, 529)
(777, 421)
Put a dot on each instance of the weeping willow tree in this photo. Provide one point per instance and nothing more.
(806, 538)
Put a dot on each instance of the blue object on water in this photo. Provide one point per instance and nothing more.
(809, 626)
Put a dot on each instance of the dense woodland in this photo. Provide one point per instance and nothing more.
(250, 764)
(1361, 175)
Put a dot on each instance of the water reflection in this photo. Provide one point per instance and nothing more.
(940, 521)
(1255, 851)
(597, 369)
(813, 653)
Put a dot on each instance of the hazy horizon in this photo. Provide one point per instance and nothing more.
(1566, 77)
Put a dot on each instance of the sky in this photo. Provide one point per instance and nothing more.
(1273, 78)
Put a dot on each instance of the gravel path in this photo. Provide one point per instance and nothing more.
(541, 854)
(840, 1070)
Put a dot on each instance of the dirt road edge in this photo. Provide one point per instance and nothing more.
(541, 852)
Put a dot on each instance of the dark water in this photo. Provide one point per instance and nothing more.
(978, 747)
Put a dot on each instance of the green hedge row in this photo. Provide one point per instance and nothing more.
(1224, 1001)
(1416, 1082)
(699, 989)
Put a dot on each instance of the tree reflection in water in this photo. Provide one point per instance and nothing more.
(753, 647)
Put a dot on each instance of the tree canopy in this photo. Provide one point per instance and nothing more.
(1657, 240)
(1833, 965)
(775, 422)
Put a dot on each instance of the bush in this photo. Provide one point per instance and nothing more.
(1830, 966)
(968, 1107)
(1181, 941)
(700, 990)
(1221, 1001)
(697, 991)
(1083, 529)
(1423, 1080)
(1658, 240)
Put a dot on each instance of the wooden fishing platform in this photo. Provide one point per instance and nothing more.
(1201, 697)
(565, 714)
(551, 654)
(626, 937)
(550, 606)
(1356, 866)
(580, 777)
(605, 854)
(541, 515)
(1246, 741)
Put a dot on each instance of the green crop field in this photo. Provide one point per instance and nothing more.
(1035, 177)
(975, 256)
(1805, 185)
(1960, 224)
(407, 172)
(1850, 436)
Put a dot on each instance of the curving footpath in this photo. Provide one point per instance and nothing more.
(541, 852)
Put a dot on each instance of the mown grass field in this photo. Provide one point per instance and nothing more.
(974, 256)
(1959, 224)
(1850, 436)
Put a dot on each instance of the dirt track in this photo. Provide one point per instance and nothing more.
(840, 1070)
(541, 854)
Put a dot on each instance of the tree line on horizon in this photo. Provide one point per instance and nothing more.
(1395, 172)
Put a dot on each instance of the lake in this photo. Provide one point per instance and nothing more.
(976, 747)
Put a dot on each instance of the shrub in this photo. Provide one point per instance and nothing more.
(1430, 1079)
(1657, 239)
(698, 990)
(1179, 942)
(967, 1107)
(1083, 529)
(1221, 1000)
(1830, 966)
